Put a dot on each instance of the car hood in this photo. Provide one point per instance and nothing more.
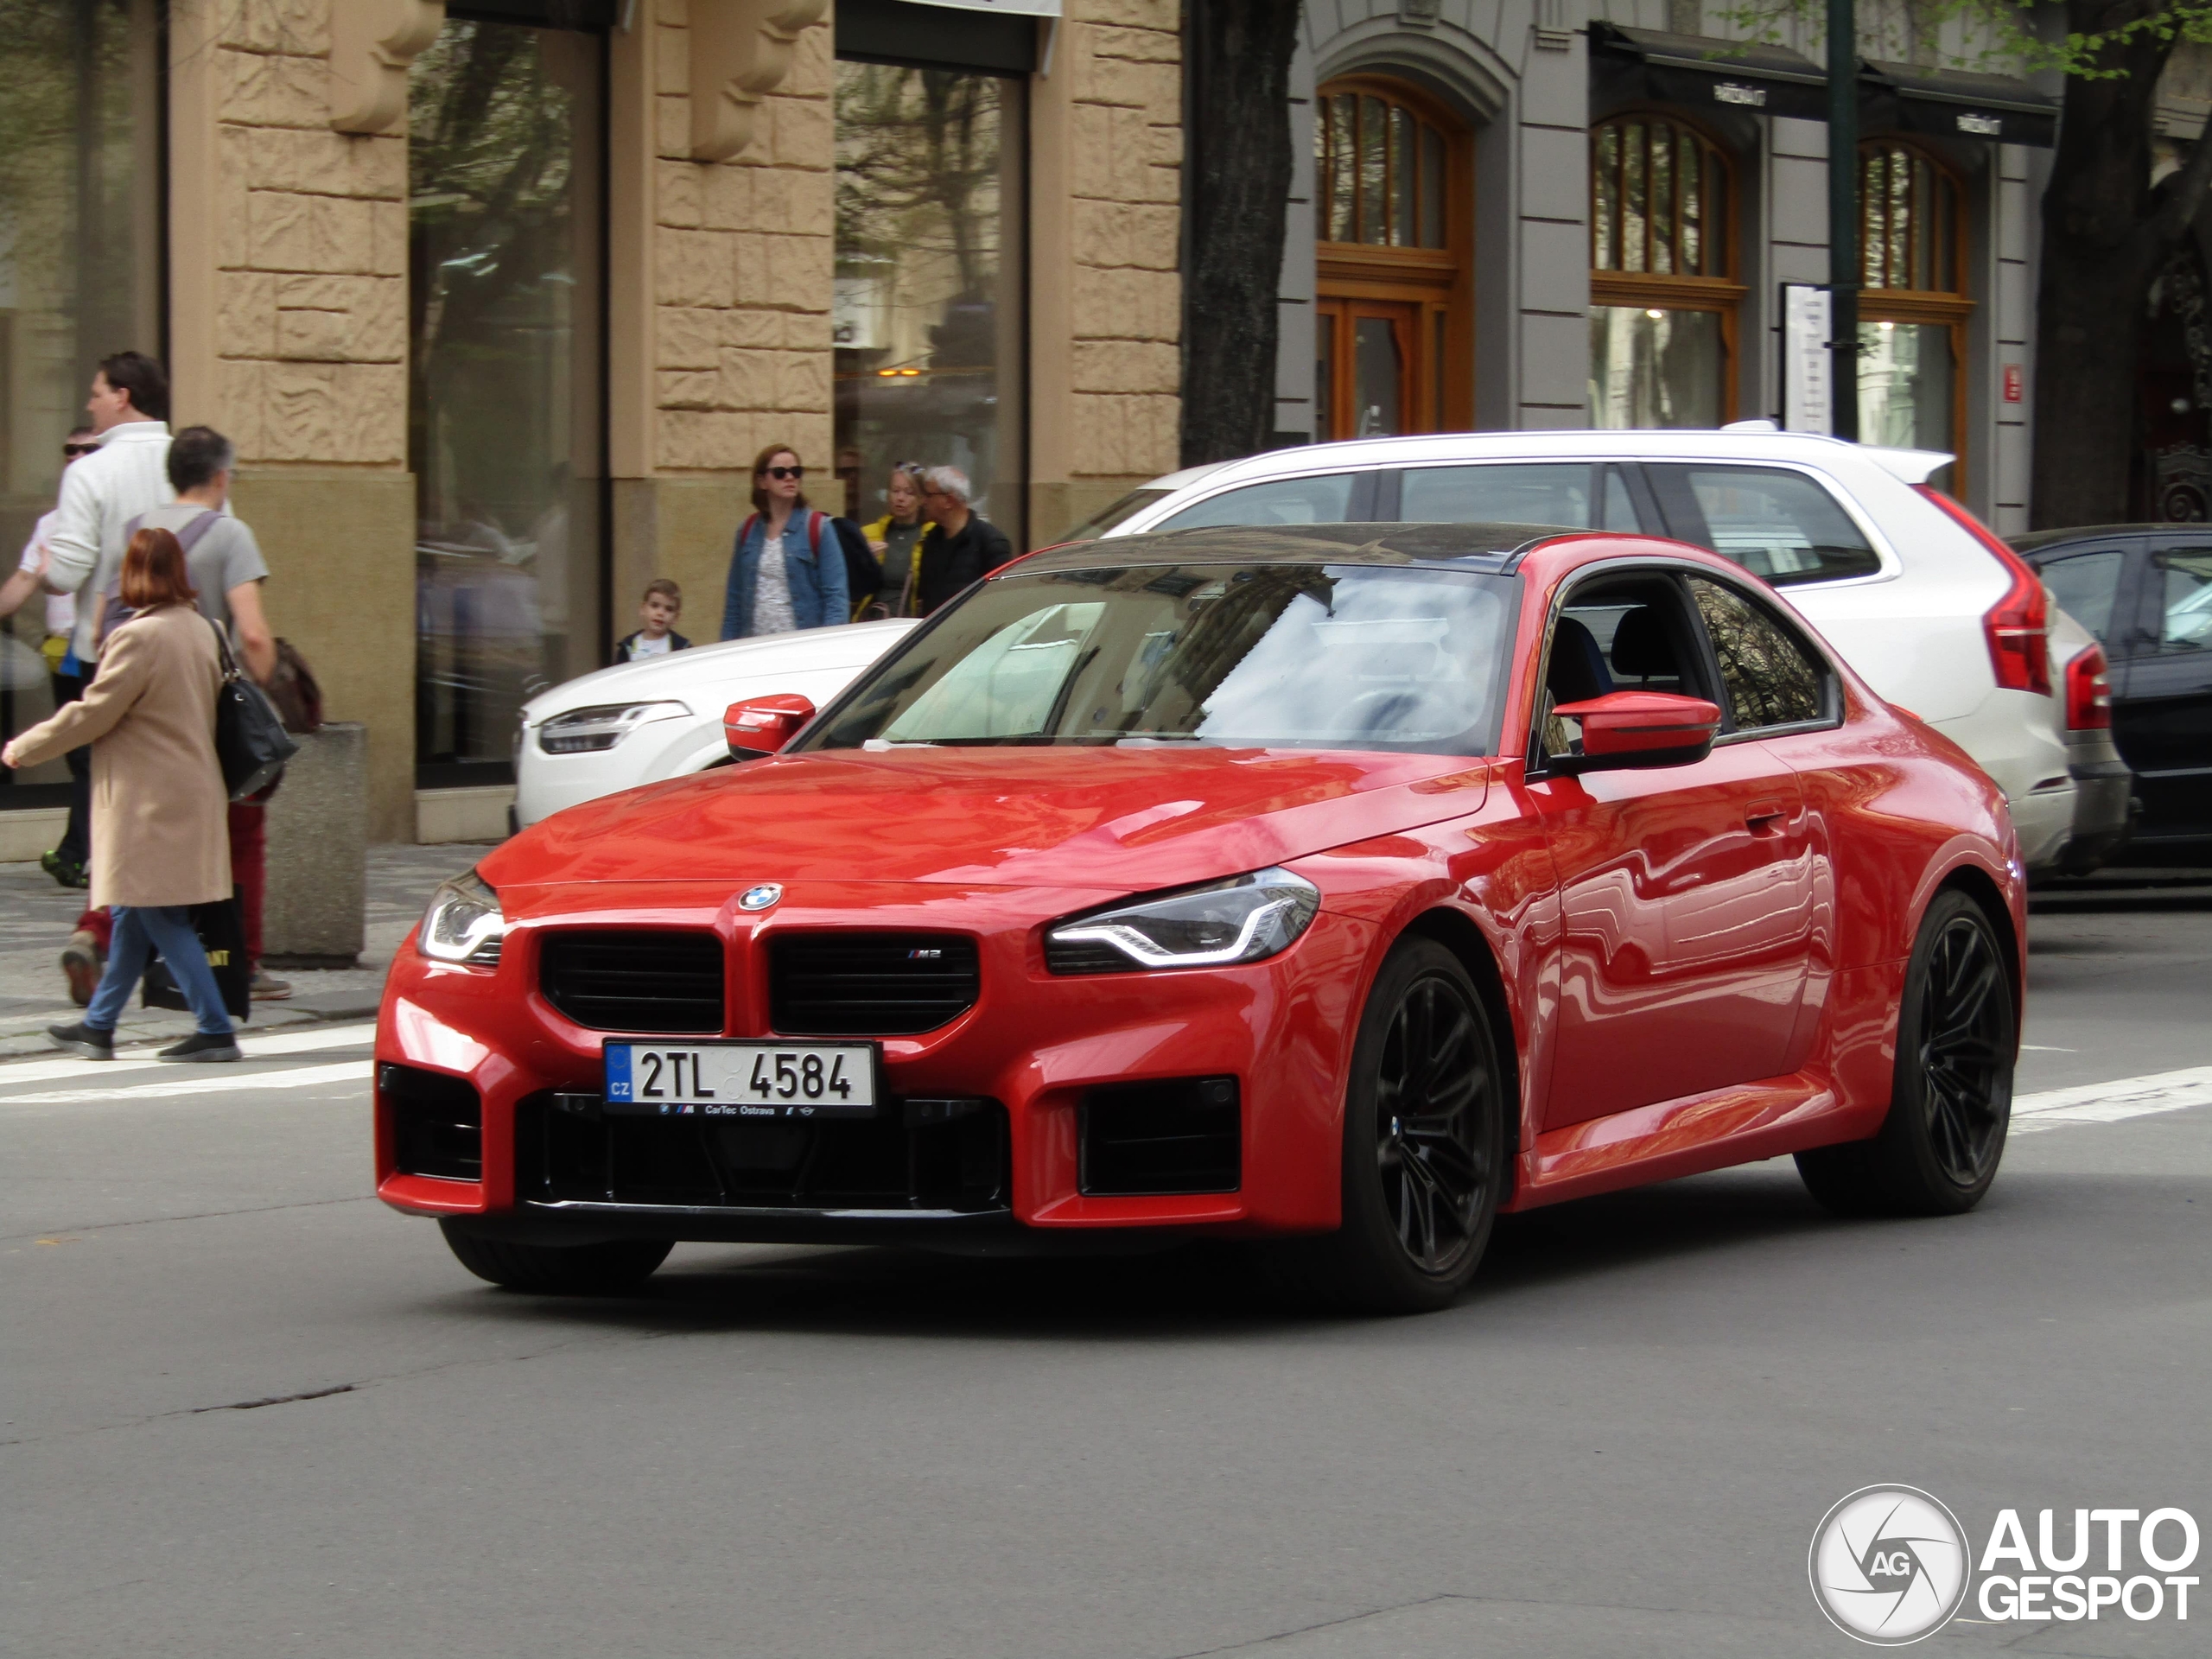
(704, 670)
(1127, 819)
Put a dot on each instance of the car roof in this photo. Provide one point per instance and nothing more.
(1741, 443)
(2046, 538)
(1465, 547)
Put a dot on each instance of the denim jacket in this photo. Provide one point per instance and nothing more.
(817, 582)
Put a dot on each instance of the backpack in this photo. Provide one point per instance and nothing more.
(114, 613)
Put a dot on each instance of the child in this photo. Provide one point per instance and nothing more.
(663, 604)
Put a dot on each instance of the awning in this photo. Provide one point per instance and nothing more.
(1701, 72)
(1954, 103)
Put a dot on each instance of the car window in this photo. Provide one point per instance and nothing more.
(1780, 525)
(1123, 510)
(2085, 585)
(1620, 632)
(1772, 679)
(1323, 500)
(2186, 624)
(1575, 495)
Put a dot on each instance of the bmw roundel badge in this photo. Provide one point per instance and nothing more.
(760, 898)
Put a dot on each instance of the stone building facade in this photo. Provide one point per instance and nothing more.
(679, 310)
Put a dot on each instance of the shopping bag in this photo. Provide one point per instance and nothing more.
(220, 924)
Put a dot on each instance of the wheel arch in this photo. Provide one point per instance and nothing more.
(1457, 933)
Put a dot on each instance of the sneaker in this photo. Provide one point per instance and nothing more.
(66, 871)
(81, 960)
(200, 1047)
(87, 1040)
(268, 988)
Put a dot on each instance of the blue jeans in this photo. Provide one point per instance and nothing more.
(140, 929)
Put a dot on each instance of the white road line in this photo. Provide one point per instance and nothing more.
(199, 1080)
(256, 1048)
(2110, 1102)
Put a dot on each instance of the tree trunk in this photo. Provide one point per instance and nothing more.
(2105, 235)
(1236, 167)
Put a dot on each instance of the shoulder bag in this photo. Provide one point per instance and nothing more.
(251, 743)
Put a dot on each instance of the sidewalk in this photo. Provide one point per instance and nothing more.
(37, 915)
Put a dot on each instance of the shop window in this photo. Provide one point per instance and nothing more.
(1663, 294)
(927, 313)
(1913, 308)
(507, 245)
(1394, 341)
(80, 229)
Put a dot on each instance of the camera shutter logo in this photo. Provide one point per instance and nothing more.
(1890, 1564)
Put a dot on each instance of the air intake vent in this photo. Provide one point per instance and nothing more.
(437, 1122)
(635, 981)
(1182, 1135)
(870, 984)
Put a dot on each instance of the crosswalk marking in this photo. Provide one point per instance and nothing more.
(256, 1048)
(2110, 1103)
(197, 1080)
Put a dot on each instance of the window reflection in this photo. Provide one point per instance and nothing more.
(1650, 368)
(504, 242)
(80, 276)
(1383, 173)
(926, 312)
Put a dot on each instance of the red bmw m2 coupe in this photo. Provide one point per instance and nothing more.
(1328, 888)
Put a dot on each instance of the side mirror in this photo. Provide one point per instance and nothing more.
(764, 725)
(1626, 729)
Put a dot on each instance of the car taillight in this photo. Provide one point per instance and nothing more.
(2018, 625)
(2088, 692)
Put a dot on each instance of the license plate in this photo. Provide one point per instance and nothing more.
(741, 1079)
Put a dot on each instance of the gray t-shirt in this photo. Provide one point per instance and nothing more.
(225, 556)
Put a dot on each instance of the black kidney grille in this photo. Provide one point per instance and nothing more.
(870, 984)
(635, 981)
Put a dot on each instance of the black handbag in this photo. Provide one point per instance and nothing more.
(220, 924)
(250, 743)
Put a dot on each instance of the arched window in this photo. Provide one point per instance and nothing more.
(1663, 293)
(1394, 338)
(1913, 307)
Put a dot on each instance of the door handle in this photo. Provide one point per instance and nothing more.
(1764, 818)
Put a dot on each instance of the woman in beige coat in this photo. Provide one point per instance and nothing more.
(161, 837)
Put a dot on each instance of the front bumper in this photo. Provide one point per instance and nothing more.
(1030, 1059)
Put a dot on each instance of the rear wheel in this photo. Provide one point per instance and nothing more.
(556, 1269)
(1423, 1149)
(1951, 1102)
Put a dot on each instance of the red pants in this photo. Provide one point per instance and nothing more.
(248, 872)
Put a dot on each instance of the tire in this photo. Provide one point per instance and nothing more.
(1420, 1187)
(556, 1269)
(1951, 1101)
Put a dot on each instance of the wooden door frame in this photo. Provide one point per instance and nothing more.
(1431, 279)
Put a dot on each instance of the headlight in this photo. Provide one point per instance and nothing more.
(463, 923)
(1243, 919)
(588, 731)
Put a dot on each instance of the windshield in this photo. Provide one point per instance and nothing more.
(1106, 518)
(1258, 655)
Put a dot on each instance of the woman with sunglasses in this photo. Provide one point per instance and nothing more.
(894, 538)
(787, 570)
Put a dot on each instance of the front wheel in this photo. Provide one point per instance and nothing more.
(556, 1269)
(1951, 1099)
(1424, 1144)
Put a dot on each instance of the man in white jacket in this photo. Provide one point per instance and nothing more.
(104, 490)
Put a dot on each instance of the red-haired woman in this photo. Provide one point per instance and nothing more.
(160, 840)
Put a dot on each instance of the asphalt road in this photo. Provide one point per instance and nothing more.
(248, 1411)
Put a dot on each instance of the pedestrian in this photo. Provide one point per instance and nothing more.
(787, 569)
(160, 838)
(894, 538)
(663, 604)
(961, 546)
(66, 862)
(224, 563)
(101, 494)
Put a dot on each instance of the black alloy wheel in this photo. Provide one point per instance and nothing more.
(1429, 1091)
(1951, 1094)
(1424, 1146)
